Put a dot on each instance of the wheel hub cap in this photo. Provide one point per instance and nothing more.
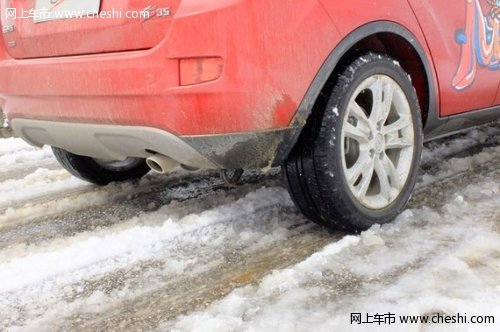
(379, 143)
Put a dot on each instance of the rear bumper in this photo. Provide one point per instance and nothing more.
(116, 142)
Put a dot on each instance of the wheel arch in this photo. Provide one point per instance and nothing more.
(384, 37)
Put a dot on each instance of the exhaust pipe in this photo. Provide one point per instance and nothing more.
(161, 164)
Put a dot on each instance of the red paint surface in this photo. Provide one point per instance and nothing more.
(87, 36)
(271, 51)
(440, 21)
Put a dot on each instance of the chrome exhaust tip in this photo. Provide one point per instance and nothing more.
(161, 164)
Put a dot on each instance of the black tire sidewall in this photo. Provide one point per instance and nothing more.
(89, 170)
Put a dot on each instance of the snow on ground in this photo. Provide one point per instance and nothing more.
(15, 152)
(131, 244)
(42, 182)
(10, 145)
(427, 261)
(471, 138)
(184, 252)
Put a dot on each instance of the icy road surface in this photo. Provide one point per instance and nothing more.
(184, 252)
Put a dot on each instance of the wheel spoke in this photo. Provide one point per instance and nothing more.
(383, 94)
(383, 177)
(361, 166)
(364, 185)
(396, 142)
(358, 113)
(355, 133)
(402, 123)
(391, 172)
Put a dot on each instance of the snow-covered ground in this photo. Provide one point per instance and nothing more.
(184, 252)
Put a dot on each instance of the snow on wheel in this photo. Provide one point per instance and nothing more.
(356, 163)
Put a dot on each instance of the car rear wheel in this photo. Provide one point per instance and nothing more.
(356, 162)
(100, 171)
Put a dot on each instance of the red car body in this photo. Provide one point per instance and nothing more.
(235, 80)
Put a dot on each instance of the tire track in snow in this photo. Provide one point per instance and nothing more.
(37, 186)
(209, 289)
(237, 265)
(148, 310)
(68, 191)
(298, 246)
(433, 193)
(182, 296)
(21, 171)
(75, 199)
(188, 194)
(428, 261)
(244, 213)
(240, 264)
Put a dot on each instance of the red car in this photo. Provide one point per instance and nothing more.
(340, 93)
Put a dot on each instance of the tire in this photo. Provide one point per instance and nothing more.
(101, 172)
(356, 161)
